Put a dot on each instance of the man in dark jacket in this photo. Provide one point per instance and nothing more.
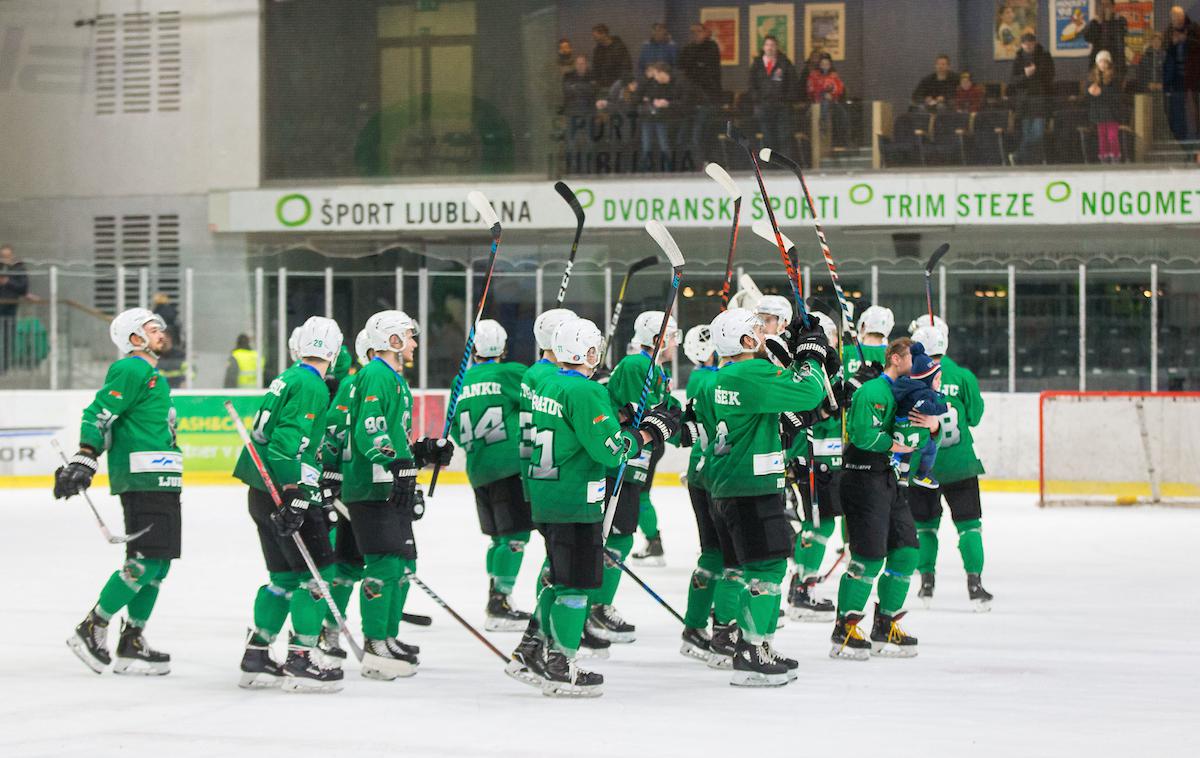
(579, 104)
(700, 64)
(667, 100)
(1181, 75)
(610, 58)
(936, 91)
(773, 87)
(14, 285)
(1032, 87)
(1107, 32)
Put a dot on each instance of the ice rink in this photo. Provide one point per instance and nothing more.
(1088, 651)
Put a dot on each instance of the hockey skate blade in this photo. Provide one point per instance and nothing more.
(561, 689)
(137, 667)
(757, 679)
(81, 652)
(302, 686)
(617, 638)
(720, 661)
(501, 624)
(688, 650)
(849, 653)
(386, 669)
(981, 606)
(523, 674)
(892, 650)
(595, 653)
(331, 661)
(259, 680)
(650, 561)
(810, 616)
(927, 601)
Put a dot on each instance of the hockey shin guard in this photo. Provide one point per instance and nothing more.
(760, 599)
(647, 516)
(927, 537)
(567, 618)
(308, 608)
(897, 575)
(810, 547)
(970, 545)
(142, 604)
(126, 583)
(620, 544)
(545, 602)
(702, 588)
(400, 597)
(506, 560)
(727, 597)
(272, 602)
(342, 587)
(855, 585)
(380, 574)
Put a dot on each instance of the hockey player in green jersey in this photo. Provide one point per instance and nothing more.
(486, 429)
(878, 519)
(576, 439)
(133, 420)
(641, 344)
(380, 490)
(957, 470)
(543, 333)
(874, 325)
(625, 391)
(744, 470)
(287, 432)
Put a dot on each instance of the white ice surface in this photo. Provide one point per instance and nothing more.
(1091, 650)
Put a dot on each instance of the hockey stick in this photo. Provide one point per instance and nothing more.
(113, 539)
(769, 155)
(415, 619)
(667, 243)
(635, 267)
(488, 214)
(457, 617)
(616, 559)
(721, 176)
(322, 585)
(577, 209)
(929, 267)
(841, 556)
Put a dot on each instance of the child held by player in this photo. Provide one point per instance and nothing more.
(919, 393)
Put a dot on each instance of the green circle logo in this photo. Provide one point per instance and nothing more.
(1057, 192)
(861, 194)
(585, 197)
(293, 210)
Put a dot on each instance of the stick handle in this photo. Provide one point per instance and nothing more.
(616, 559)
(425, 587)
(108, 535)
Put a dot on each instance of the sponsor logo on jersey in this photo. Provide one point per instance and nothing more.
(599, 418)
(146, 461)
(370, 399)
(153, 381)
(116, 394)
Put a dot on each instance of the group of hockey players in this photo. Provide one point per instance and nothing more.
(787, 423)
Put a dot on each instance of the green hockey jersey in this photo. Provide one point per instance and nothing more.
(851, 363)
(956, 455)
(530, 381)
(625, 386)
(287, 430)
(699, 393)
(334, 447)
(485, 426)
(132, 419)
(380, 419)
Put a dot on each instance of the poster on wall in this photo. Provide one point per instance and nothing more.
(1139, 25)
(1068, 20)
(825, 29)
(777, 20)
(723, 23)
(1013, 18)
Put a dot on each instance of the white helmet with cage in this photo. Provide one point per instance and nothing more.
(547, 323)
(294, 345)
(319, 337)
(932, 339)
(698, 344)
(646, 326)
(577, 342)
(777, 306)
(361, 346)
(876, 320)
(490, 338)
(923, 320)
(128, 323)
(384, 325)
(729, 327)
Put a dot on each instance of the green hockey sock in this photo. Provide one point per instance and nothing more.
(855, 586)
(400, 597)
(127, 582)
(142, 604)
(342, 587)
(727, 597)
(970, 545)
(761, 581)
(702, 588)
(897, 575)
(647, 516)
(927, 537)
(508, 552)
(567, 617)
(272, 602)
(308, 608)
(810, 547)
(545, 602)
(620, 544)
(381, 571)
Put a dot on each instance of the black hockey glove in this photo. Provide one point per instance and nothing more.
(812, 345)
(432, 450)
(76, 476)
(290, 516)
(626, 413)
(778, 350)
(404, 483)
(689, 430)
(795, 330)
(661, 423)
(833, 362)
(331, 487)
(791, 423)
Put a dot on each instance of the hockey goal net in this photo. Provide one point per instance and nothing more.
(1097, 448)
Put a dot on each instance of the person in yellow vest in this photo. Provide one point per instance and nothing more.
(242, 369)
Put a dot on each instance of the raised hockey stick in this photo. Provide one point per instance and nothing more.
(113, 539)
(322, 585)
(769, 155)
(721, 176)
(577, 209)
(488, 214)
(458, 618)
(616, 559)
(634, 267)
(929, 267)
(667, 243)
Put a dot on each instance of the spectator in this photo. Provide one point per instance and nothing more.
(241, 371)
(566, 57)
(937, 90)
(171, 363)
(14, 286)
(1107, 32)
(968, 96)
(1181, 75)
(1147, 77)
(772, 87)
(666, 101)
(579, 103)
(700, 64)
(660, 48)
(826, 89)
(1032, 88)
(610, 58)
(812, 64)
(169, 312)
(1104, 107)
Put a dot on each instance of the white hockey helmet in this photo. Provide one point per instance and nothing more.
(748, 294)
(777, 306)
(294, 345)
(384, 325)
(490, 338)
(646, 326)
(729, 327)
(827, 326)
(577, 342)
(698, 344)
(876, 320)
(633, 348)
(319, 337)
(128, 323)
(923, 320)
(547, 323)
(361, 346)
(932, 339)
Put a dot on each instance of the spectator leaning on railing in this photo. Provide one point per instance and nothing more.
(773, 87)
(968, 96)
(660, 48)
(1032, 87)
(610, 58)
(937, 90)
(14, 285)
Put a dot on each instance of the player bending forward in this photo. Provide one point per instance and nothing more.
(575, 439)
(132, 418)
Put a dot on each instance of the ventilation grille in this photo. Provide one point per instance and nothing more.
(136, 242)
(138, 62)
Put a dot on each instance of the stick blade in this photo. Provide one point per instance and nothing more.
(765, 154)
(763, 229)
(565, 192)
(646, 262)
(481, 205)
(722, 177)
(665, 241)
(735, 134)
(937, 256)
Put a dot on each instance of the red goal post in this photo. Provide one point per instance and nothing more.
(1097, 448)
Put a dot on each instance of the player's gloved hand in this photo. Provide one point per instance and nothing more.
(404, 483)
(795, 330)
(812, 344)
(290, 516)
(331, 487)
(833, 362)
(689, 429)
(76, 476)
(661, 423)
(626, 413)
(432, 450)
(418, 504)
(601, 375)
(778, 350)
